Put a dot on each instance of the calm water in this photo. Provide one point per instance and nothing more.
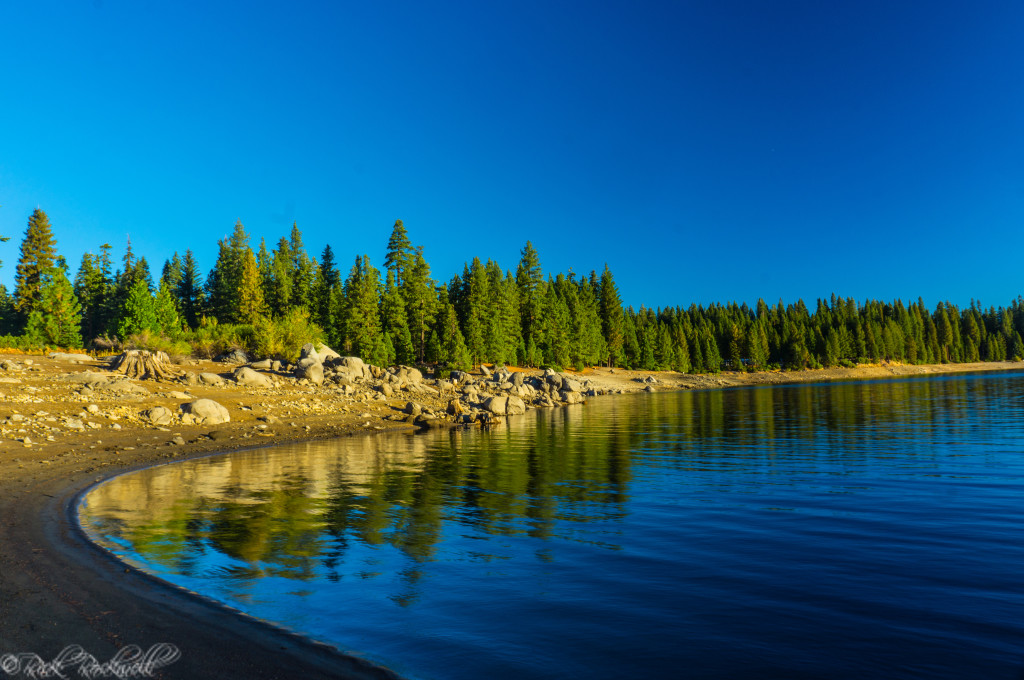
(854, 530)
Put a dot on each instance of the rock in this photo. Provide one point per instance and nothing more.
(486, 371)
(455, 407)
(649, 388)
(158, 415)
(571, 385)
(313, 372)
(497, 405)
(262, 365)
(207, 412)
(64, 356)
(386, 389)
(409, 374)
(189, 378)
(571, 397)
(74, 424)
(326, 354)
(353, 364)
(246, 376)
(177, 440)
(552, 378)
(413, 409)
(92, 408)
(275, 365)
(518, 379)
(210, 379)
(235, 356)
(460, 376)
(309, 352)
(515, 406)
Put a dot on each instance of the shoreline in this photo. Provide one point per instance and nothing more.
(57, 588)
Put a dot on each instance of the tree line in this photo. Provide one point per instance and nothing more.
(403, 315)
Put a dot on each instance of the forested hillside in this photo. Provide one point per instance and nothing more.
(272, 298)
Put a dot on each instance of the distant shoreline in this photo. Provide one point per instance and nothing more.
(57, 590)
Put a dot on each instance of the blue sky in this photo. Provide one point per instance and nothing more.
(707, 151)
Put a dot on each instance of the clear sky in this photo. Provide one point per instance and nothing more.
(707, 151)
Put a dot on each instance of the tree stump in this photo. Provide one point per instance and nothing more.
(142, 364)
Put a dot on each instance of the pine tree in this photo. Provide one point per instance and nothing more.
(139, 312)
(170, 275)
(360, 322)
(419, 302)
(251, 306)
(168, 320)
(326, 282)
(301, 271)
(399, 258)
(38, 250)
(530, 280)
(189, 293)
(611, 317)
(93, 288)
(225, 278)
(56, 318)
(395, 322)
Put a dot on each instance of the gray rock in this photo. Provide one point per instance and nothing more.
(177, 440)
(275, 365)
(309, 352)
(518, 379)
(65, 356)
(262, 365)
(413, 409)
(460, 376)
(571, 397)
(497, 405)
(235, 356)
(571, 385)
(386, 389)
(552, 378)
(326, 354)
(210, 379)
(486, 371)
(246, 376)
(74, 424)
(409, 374)
(207, 412)
(515, 406)
(158, 415)
(313, 372)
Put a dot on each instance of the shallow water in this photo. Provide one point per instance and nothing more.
(849, 530)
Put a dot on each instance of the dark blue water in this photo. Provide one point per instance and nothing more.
(852, 530)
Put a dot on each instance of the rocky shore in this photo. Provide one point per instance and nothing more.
(69, 420)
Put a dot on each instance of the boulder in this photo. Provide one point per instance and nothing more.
(64, 356)
(386, 389)
(486, 371)
(235, 356)
(313, 372)
(409, 374)
(158, 415)
(455, 407)
(518, 379)
(326, 354)
(571, 397)
(515, 406)
(497, 405)
(262, 365)
(460, 376)
(309, 352)
(571, 385)
(207, 412)
(413, 409)
(552, 378)
(210, 379)
(246, 376)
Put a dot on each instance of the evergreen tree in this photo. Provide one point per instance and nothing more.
(189, 293)
(611, 317)
(56, 318)
(419, 302)
(530, 280)
(360, 322)
(139, 311)
(301, 271)
(400, 257)
(251, 306)
(225, 279)
(170, 275)
(93, 288)
(326, 282)
(395, 323)
(38, 250)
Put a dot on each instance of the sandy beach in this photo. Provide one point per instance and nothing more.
(58, 438)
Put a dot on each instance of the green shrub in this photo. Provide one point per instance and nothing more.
(283, 337)
(213, 338)
(146, 339)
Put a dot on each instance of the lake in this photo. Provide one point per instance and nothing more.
(844, 530)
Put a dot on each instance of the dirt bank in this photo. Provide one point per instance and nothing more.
(56, 590)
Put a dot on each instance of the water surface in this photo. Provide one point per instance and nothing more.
(851, 530)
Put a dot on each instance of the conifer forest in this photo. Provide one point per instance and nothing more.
(269, 299)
